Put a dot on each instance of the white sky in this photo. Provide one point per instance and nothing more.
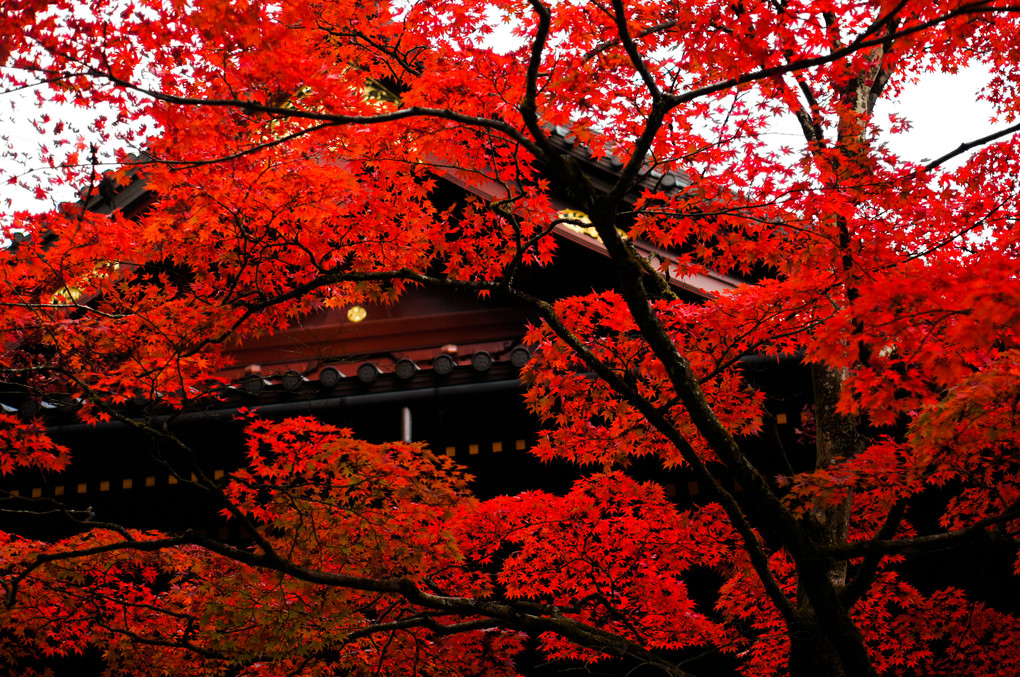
(943, 109)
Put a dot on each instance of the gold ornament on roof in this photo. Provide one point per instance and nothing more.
(576, 218)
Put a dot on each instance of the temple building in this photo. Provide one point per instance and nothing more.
(438, 366)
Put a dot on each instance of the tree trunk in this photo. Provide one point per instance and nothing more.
(812, 654)
(837, 436)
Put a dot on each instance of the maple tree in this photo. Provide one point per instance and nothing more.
(280, 188)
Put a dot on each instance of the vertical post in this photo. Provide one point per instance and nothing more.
(405, 424)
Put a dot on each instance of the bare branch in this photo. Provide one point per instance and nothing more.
(335, 119)
(964, 147)
(860, 43)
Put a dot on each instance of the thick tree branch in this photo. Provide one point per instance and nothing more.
(529, 105)
(428, 622)
(980, 530)
(750, 539)
(636, 60)
(868, 567)
(812, 565)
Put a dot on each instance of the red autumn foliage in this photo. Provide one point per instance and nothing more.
(282, 188)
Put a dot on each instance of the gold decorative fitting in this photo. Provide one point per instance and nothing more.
(576, 217)
(356, 313)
